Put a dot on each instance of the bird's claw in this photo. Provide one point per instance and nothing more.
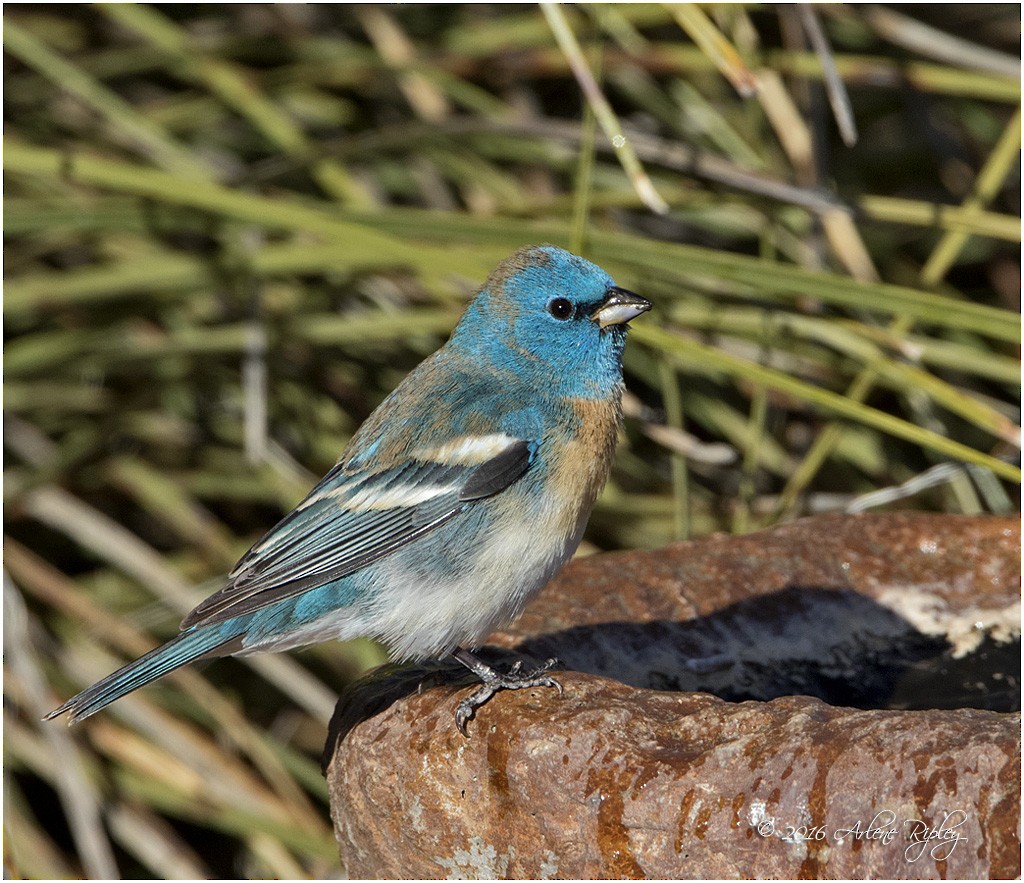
(495, 682)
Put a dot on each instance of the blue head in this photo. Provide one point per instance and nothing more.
(554, 316)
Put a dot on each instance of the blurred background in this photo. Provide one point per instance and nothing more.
(230, 230)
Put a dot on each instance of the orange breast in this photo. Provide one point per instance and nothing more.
(581, 469)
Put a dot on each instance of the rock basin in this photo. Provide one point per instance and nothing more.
(836, 697)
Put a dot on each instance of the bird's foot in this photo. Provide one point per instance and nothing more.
(494, 682)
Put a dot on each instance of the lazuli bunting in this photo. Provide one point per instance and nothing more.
(457, 500)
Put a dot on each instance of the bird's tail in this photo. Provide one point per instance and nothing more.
(186, 647)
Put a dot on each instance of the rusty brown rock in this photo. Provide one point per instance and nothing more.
(613, 780)
(616, 782)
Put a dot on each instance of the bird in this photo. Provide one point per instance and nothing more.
(455, 502)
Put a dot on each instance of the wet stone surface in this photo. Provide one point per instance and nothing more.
(836, 697)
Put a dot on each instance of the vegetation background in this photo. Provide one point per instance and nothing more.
(231, 229)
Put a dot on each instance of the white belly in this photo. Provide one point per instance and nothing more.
(417, 621)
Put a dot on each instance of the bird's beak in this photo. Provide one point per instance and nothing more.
(619, 307)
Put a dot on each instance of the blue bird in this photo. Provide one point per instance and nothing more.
(456, 501)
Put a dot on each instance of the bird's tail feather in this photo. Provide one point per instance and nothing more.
(185, 648)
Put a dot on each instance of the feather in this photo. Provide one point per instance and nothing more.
(185, 648)
(343, 525)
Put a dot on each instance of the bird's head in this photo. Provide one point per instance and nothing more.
(555, 316)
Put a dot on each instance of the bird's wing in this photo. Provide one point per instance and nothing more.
(350, 520)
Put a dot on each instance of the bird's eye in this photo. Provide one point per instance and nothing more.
(560, 308)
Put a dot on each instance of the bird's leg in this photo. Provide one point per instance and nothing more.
(495, 681)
